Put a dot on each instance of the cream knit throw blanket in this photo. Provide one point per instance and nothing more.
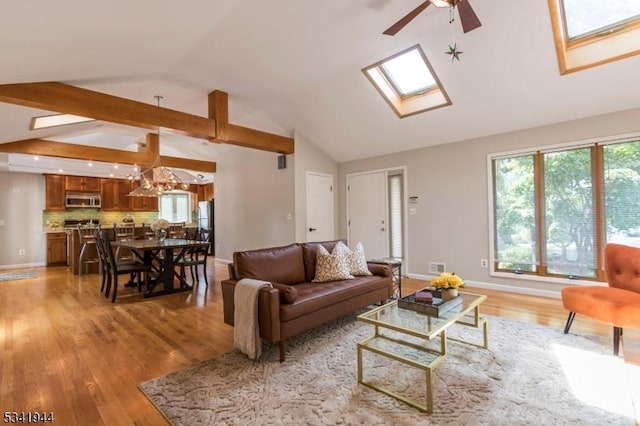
(246, 333)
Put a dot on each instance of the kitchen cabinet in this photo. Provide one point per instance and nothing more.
(207, 192)
(82, 184)
(142, 204)
(54, 192)
(56, 248)
(114, 194)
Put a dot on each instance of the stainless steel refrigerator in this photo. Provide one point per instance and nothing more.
(206, 223)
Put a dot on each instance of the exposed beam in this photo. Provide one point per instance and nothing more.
(59, 97)
(145, 157)
(62, 98)
(243, 136)
(219, 111)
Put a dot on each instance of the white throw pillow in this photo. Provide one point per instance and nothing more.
(332, 267)
(358, 261)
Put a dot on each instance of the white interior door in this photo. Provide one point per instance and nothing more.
(320, 214)
(367, 213)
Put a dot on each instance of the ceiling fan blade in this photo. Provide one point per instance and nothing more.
(392, 30)
(468, 17)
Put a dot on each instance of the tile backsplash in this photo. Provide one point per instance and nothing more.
(105, 218)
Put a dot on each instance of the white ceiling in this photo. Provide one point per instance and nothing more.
(295, 66)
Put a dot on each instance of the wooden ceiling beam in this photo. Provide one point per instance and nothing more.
(243, 136)
(145, 157)
(62, 98)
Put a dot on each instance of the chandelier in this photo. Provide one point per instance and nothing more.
(157, 179)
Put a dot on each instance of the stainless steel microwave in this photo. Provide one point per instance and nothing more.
(83, 200)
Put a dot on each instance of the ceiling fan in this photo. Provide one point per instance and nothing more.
(468, 17)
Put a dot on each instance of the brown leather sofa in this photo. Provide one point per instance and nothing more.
(295, 304)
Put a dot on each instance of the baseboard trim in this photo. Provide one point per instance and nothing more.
(223, 261)
(23, 265)
(499, 287)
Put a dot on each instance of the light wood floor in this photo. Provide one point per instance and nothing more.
(67, 350)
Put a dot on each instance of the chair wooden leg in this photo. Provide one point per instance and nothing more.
(115, 288)
(572, 315)
(617, 332)
(283, 348)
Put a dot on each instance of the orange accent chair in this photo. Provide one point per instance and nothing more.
(619, 303)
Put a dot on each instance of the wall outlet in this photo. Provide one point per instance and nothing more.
(21, 252)
(1, 222)
(15, 189)
(484, 263)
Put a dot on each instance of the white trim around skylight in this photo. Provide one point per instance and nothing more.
(615, 41)
(421, 92)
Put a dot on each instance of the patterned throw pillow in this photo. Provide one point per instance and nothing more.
(358, 261)
(332, 267)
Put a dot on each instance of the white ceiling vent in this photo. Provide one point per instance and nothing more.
(437, 267)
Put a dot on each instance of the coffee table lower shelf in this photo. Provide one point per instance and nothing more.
(411, 339)
(422, 358)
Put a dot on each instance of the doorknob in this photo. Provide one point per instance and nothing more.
(382, 229)
(312, 229)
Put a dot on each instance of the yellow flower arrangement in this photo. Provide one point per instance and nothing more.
(447, 280)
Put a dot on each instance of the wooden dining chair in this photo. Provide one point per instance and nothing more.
(195, 256)
(114, 268)
(124, 232)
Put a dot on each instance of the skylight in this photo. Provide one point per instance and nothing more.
(56, 120)
(589, 33)
(408, 73)
(585, 17)
(407, 82)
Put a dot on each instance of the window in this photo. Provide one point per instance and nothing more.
(407, 82)
(554, 210)
(174, 206)
(395, 215)
(593, 32)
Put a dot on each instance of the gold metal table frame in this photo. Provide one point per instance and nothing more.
(409, 323)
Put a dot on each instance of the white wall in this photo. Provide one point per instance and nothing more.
(22, 197)
(254, 205)
(451, 223)
(309, 158)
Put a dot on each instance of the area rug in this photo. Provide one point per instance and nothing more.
(529, 375)
(8, 276)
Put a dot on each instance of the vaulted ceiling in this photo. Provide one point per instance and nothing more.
(295, 67)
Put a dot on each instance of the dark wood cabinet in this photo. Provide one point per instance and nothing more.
(142, 204)
(54, 192)
(207, 191)
(82, 184)
(114, 194)
(56, 248)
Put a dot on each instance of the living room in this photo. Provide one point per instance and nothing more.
(507, 95)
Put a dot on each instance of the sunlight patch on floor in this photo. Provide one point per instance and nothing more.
(598, 380)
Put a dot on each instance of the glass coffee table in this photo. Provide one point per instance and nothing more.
(402, 335)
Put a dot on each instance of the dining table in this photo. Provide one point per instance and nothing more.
(161, 256)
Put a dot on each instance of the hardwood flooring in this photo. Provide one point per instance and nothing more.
(68, 350)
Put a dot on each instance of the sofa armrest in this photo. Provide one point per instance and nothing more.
(268, 309)
(380, 269)
(232, 271)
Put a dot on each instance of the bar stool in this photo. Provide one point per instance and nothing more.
(88, 240)
(124, 232)
(177, 230)
(148, 232)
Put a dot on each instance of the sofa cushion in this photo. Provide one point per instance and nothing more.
(309, 254)
(314, 296)
(288, 293)
(334, 266)
(357, 259)
(283, 265)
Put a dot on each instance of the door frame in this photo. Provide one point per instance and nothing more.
(405, 207)
(333, 204)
